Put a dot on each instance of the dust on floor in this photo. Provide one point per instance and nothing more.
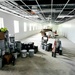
(40, 64)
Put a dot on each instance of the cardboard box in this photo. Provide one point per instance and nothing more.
(2, 37)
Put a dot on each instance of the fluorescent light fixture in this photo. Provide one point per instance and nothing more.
(48, 18)
(58, 21)
(2, 0)
(34, 16)
(62, 16)
(48, 11)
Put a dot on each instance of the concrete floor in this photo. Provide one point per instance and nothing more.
(43, 63)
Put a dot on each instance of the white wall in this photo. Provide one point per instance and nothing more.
(67, 29)
(9, 23)
(54, 27)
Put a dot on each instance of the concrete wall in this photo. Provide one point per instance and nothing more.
(9, 23)
(67, 29)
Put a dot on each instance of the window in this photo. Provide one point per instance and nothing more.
(36, 27)
(16, 26)
(33, 27)
(25, 27)
(1, 23)
(30, 27)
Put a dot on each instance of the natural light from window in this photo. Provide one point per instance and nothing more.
(33, 27)
(1, 23)
(25, 26)
(30, 27)
(16, 26)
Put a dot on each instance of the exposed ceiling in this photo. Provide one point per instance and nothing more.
(55, 11)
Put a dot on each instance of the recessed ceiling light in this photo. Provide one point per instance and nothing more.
(62, 16)
(34, 16)
(58, 21)
(2, 0)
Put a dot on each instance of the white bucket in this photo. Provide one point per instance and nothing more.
(24, 53)
(15, 55)
(31, 52)
(3, 52)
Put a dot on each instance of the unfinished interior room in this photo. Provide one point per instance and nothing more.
(37, 37)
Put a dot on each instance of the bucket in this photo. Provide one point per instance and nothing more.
(12, 39)
(18, 45)
(45, 46)
(0, 63)
(31, 52)
(0, 52)
(42, 46)
(24, 53)
(3, 52)
(15, 55)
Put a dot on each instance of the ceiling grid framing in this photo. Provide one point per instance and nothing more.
(68, 14)
(63, 8)
(25, 4)
(51, 9)
(40, 9)
(46, 10)
(16, 13)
